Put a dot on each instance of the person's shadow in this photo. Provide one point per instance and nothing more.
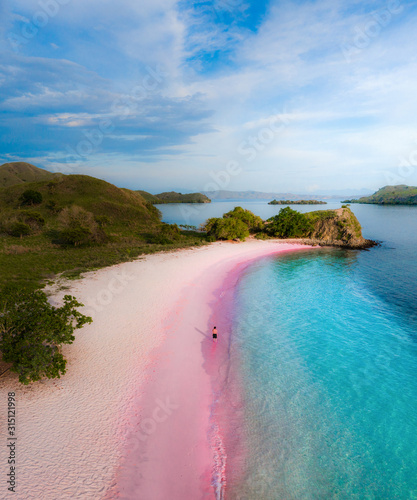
(204, 334)
(208, 347)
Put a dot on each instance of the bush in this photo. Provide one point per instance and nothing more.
(167, 235)
(30, 197)
(32, 333)
(18, 229)
(33, 219)
(226, 229)
(78, 226)
(252, 221)
(289, 224)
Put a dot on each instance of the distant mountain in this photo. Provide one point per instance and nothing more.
(173, 197)
(20, 172)
(259, 195)
(390, 195)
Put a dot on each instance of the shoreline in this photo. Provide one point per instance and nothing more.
(138, 380)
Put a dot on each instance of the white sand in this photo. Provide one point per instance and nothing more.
(71, 431)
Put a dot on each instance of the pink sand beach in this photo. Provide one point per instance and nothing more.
(136, 416)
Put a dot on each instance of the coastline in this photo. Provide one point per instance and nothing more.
(139, 382)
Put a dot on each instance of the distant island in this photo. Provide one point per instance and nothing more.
(173, 197)
(223, 195)
(390, 195)
(297, 202)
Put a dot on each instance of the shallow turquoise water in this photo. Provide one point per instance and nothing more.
(328, 370)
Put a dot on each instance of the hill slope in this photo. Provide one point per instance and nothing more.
(391, 195)
(77, 223)
(20, 172)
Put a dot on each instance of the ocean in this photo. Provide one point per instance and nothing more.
(324, 348)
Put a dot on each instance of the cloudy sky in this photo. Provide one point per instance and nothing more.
(301, 96)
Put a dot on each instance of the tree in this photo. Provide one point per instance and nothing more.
(32, 333)
(289, 224)
(78, 226)
(19, 229)
(30, 197)
(252, 221)
(228, 228)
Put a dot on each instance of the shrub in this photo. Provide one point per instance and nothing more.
(252, 221)
(33, 219)
(78, 226)
(18, 229)
(167, 235)
(289, 224)
(228, 228)
(32, 333)
(30, 197)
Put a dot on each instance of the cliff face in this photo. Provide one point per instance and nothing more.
(338, 228)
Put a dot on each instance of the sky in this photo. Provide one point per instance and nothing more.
(285, 96)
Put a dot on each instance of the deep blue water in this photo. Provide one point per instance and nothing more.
(325, 343)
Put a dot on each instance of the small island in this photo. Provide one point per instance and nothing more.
(173, 197)
(390, 195)
(297, 202)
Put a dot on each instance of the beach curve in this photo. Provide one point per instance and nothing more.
(131, 415)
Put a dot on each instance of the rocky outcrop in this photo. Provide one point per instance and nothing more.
(338, 228)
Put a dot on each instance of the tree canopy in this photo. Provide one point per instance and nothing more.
(32, 333)
(236, 224)
(289, 224)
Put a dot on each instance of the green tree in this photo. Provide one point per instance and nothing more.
(19, 229)
(32, 333)
(253, 222)
(30, 197)
(228, 228)
(289, 224)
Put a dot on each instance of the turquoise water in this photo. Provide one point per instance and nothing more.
(324, 350)
(328, 370)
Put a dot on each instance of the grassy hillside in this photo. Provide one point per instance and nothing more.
(391, 195)
(20, 173)
(37, 240)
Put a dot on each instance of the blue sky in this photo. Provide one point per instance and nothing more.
(289, 96)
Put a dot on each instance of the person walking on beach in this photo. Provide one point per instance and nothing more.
(214, 333)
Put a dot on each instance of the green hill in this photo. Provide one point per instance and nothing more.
(20, 172)
(391, 195)
(73, 223)
(173, 197)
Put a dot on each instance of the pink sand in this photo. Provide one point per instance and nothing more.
(132, 417)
